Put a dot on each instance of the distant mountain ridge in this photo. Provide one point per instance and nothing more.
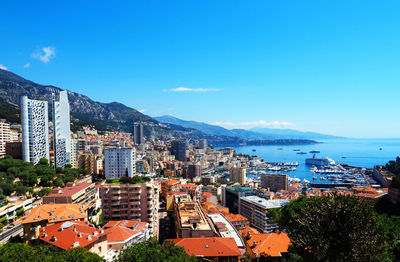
(112, 116)
(252, 134)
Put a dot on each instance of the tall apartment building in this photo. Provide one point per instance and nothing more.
(202, 144)
(138, 134)
(131, 202)
(35, 130)
(193, 171)
(179, 149)
(274, 182)
(72, 193)
(61, 130)
(4, 136)
(119, 162)
(255, 209)
(238, 175)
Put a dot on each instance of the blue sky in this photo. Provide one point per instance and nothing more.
(326, 66)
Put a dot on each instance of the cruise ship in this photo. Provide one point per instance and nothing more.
(319, 161)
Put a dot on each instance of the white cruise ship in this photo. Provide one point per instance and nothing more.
(320, 161)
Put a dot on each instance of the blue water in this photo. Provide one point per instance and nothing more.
(358, 152)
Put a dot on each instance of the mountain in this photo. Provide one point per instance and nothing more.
(115, 116)
(253, 134)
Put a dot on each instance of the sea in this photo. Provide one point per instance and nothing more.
(357, 152)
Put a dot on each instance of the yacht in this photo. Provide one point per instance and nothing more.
(320, 161)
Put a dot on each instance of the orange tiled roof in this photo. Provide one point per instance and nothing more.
(170, 182)
(209, 246)
(235, 217)
(55, 213)
(65, 234)
(269, 244)
(249, 231)
(120, 231)
(207, 194)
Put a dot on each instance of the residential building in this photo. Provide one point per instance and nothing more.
(202, 144)
(61, 130)
(169, 186)
(255, 209)
(210, 248)
(14, 149)
(131, 202)
(238, 175)
(74, 234)
(274, 182)
(121, 234)
(271, 246)
(238, 221)
(191, 221)
(214, 190)
(35, 130)
(179, 149)
(231, 197)
(48, 214)
(193, 171)
(138, 134)
(119, 162)
(72, 193)
(225, 229)
(4, 136)
(12, 208)
(87, 161)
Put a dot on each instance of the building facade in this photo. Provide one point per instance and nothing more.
(238, 175)
(119, 162)
(61, 130)
(179, 149)
(138, 134)
(132, 202)
(35, 130)
(274, 182)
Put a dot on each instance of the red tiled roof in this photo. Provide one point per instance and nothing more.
(207, 195)
(65, 234)
(269, 244)
(209, 246)
(120, 231)
(171, 182)
(69, 190)
(55, 213)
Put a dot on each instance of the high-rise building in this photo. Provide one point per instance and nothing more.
(138, 134)
(61, 130)
(4, 136)
(202, 144)
(238, 175)
(35, 130)
(193, 171)
(274, 182)
(119, 162)
(179, 149)
(135, 202)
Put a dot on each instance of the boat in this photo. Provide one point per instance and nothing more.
(280, 148)
(301, 153)
(380, 148)
(320, 161)
(314, 152)
(344, 156)
(296, 149)
(254, 150)
(314, 178)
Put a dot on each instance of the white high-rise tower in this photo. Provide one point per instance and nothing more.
(61, 130)
(35, 130)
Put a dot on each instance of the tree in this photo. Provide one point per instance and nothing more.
(151, 250)
(44, 191)
(58, 182)
(44, 162)
(333, 228)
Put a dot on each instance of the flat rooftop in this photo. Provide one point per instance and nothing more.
(264, 203)
(191, 211)
(229, 230)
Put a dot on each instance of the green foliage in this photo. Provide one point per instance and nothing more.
(333, 228)
(151, 250)
(44, 191)
(20, 252)
(391, 227)
(393, 166)
(127, 180)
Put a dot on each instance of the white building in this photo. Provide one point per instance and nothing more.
(119, 162)
(255, 209)
(4, 136)
(61, 129)
(35, 130)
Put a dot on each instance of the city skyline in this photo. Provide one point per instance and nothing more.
(323, 67)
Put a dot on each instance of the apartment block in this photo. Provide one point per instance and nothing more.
(131, 202)
(274, 182)
(119, 162)
(191, 221)
(35, 130)
(4, 136)
(238, 175)
(255, 209)
(72, 193)
(61, 130)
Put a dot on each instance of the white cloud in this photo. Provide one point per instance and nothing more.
(142, 110)
(186, 89)
(259, 123)
(45, 54)
(27, 65)
(3, 67)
